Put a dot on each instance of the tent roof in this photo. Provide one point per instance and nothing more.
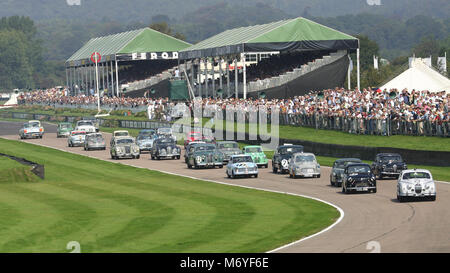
(136, 41)
(293, 34)
(419, 77)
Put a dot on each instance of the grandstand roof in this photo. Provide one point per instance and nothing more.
(127, 46)
(286, 35)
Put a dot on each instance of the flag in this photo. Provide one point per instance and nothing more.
(350, 67)
(442, 63)
(375, 62)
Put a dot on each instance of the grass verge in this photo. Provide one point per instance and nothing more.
(109, 207)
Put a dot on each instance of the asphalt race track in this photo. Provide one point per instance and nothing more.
(417, 226)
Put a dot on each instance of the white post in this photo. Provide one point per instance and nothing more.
(244, 75)
(221, 74)
(349, 72)
(228, 78)
(67, 78)
(205, 63)
(117, 78)
(236, 85)
(112, 79)
(213, 79)
(96, 81)
(357, 68)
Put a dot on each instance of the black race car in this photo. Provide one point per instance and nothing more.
(358, 177)
(165, 147)
(338, 170)
(388, 165)
(280, 160)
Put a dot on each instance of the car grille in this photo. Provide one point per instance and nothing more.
(127, 149)
(361, 184)
(418, 189)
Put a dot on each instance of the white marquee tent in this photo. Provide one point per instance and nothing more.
(419, 77)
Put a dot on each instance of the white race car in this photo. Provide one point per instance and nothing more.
(416, 183)
(86, 126)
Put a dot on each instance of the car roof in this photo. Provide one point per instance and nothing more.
(357, 164)
(124, 137)
(121, 131)
(240, 155)
(34, 121)
(348, 159)
(387, 154)
(289, 146)
(252, 146)
(304, 154)
(415, 170)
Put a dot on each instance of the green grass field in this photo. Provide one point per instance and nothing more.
(110, 207)
(12, 171)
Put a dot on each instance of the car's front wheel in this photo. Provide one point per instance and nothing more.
(274, 170)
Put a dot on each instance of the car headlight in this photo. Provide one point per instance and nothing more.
(199, 159)
(350, 179)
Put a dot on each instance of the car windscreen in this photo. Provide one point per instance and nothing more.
(85, 123)
(253, 150)
(228, 146)
(341, 164)
(416, 175)
(391, 158)
(290, 150)
(121, 134)
(358, 169)
(96, 138)
(304, 158)
(165, 141)
(204, 148)
(125, 141)
(144, 137)
(65, 126)
(79, 133)
(240, 159)
(165, 130)
(34, 124)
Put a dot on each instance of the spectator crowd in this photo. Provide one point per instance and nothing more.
(368, 111)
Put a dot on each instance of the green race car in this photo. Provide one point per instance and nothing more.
(64, 129)
(257, 154)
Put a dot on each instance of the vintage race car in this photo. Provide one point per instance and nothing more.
(303, 165)
(192, 137)
(188, 148)
(280, 160)
(145, 142)
(31, 129)
(241, 165)
(124, 147)
(417, 183)
(358, 177)
(388, 165)
(64, 129)
(228, 149)
(119, 133)
(94, 121)
(257, 154)
(166, 132)
(165, 148)
(76, 138)
(94, 141)
(86, 126)
(204, 155)
(337, 172)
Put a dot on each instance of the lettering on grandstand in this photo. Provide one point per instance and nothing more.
(155, 56)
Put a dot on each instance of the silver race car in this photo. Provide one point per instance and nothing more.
(241, 165)
(303, 165)
(76, 138)
(124, 147)
(416, 183)
(31, 129)
(94, 141)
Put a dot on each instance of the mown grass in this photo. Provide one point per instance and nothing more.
(110, 207)
(12, 171)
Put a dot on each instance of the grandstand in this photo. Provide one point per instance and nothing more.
(132, 60)
(299, 56)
